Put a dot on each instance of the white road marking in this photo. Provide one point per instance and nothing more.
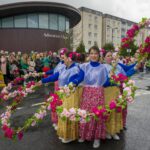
(142, 92)
(37, 104)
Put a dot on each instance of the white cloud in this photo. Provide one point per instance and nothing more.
(133, 10)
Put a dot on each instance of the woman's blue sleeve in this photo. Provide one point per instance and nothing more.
(50, 72)
(77, 78)
(126, 67)
(51, 78)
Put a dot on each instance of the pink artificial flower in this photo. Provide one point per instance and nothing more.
(112, 104)
(49, 107)
(33, 123)
(72, 111)
(72, 118)
(97, 112)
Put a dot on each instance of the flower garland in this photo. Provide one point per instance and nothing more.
(5, 117)
(51, 103)
(130, 38)
(74, 114)
(145, 48)
(6, 94)
(54, 103)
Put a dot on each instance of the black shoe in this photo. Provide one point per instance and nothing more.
(124, 128)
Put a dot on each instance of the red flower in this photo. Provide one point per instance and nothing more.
(9, 133)
(147, 40)
(20, 135)
(5, 127)
(20, 88)
(112, 104)
(119, 109)
(55, 96)
(122, 77)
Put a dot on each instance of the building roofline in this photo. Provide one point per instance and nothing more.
(91, 11)
(18, 8)
(118, 18)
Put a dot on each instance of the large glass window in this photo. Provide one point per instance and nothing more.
(20, 21)
(53, 22)
(33, 21)
(7, 22)
(43, 21)
(67, 25)
(62, 23)
(37, 20)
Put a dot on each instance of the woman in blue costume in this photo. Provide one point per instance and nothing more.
(95, 76)
(59, 67)
(115, 124)
(67, 130)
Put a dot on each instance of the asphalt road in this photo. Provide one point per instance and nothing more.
(43, 137)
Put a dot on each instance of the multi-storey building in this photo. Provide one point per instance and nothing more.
(89, 30)
(98, 28)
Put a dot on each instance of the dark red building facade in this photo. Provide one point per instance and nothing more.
(39, 26)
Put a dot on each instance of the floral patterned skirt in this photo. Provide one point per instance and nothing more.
(69, 129)
(114, 124)
(92, 97)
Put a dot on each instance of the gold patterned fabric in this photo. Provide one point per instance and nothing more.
(69, 129)
(114, 124)
(2, 83)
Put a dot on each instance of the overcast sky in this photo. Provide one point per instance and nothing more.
(132, 10)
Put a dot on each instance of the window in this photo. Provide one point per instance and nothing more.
(32, 21)
(0, 23)
(89, 42)
(95, 35)
(53, 22)
(90, 34)
(62, 23)
(7, 22)
(122, 36)
(95, 18)
(90, 16)
(20, 21)
(114, 22)
(95, 42)
(122, 30)
(90, 26)
(43, 21)
(95, 26)
(123, 23)
(67, 25)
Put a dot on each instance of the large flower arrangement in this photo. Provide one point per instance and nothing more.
(130, 38)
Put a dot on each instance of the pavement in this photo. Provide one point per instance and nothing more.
(43, 137)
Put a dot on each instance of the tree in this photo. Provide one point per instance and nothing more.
(109, 46)
(81, 48)
(68, 40)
